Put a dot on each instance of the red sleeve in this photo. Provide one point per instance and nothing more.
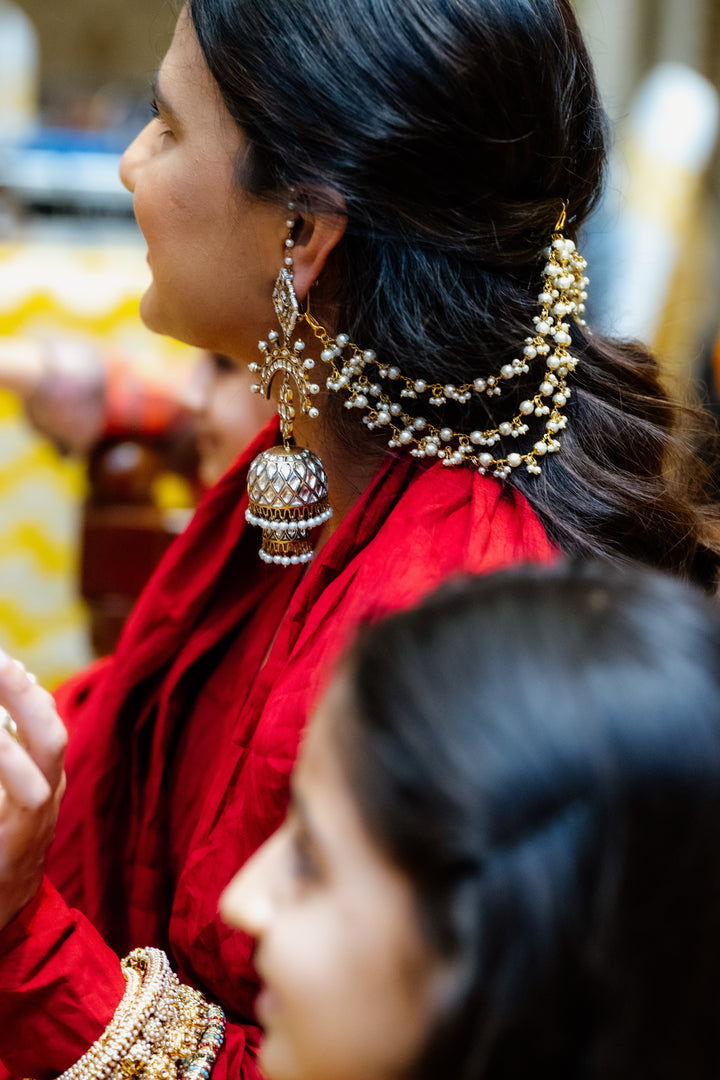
(59, 987)
(238, 1058)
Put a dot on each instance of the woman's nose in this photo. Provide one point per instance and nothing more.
(247, 903)
(133, 158)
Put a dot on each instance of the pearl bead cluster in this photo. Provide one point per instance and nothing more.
(161, 1030)
(563, 294)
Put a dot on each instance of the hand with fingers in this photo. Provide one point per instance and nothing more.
(32, 782)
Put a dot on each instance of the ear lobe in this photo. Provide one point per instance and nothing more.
(315, 237)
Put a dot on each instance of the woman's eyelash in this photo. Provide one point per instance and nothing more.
(305, 865)
(155, 113)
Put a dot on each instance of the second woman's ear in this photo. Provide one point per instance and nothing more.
(315, 236)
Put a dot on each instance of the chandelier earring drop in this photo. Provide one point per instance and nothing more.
(287, 484)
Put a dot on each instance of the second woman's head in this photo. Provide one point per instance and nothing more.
(501, 856)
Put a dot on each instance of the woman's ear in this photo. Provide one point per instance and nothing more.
(315, 236)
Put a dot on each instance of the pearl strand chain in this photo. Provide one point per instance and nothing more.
(563, 294)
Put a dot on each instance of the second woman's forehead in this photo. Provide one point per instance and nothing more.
(319, 780)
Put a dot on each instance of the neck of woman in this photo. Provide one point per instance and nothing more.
(348, 472)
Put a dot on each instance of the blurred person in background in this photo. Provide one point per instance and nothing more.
(385, 196)
(500, 859)
(76, 394)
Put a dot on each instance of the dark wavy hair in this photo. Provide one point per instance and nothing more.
(539, 751)
(452, 131)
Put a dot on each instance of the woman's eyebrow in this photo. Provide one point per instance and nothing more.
(160, 100)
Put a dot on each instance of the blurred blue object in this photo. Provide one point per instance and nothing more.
(77, 170)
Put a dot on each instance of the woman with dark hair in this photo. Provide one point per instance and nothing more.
(501, 849)
(386, 197)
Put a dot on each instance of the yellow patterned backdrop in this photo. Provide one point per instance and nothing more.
(56, 289)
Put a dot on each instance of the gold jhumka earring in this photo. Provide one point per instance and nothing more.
(287, 485)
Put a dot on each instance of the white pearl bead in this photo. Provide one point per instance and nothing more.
(505, 428)
(405, 436)
(326, 355)
(514, 460)
(342, 340)
(526, 407)
(446, 434)
(540, 448)
(476, 438)
(420, 386)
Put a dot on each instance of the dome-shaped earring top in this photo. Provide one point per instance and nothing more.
(288, 496)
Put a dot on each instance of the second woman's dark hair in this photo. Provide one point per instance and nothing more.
(451, 132)
(540, 752)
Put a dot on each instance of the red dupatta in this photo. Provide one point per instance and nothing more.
(414, 527)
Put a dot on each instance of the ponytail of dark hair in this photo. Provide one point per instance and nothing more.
(452, 133)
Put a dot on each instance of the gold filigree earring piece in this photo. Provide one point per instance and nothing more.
(287, 485)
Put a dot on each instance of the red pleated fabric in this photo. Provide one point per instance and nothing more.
(181, 745)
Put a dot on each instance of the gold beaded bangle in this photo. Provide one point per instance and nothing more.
(161, 1030)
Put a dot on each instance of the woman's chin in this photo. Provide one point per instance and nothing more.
(149, 311)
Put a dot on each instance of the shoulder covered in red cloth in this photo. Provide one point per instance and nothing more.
(414, 527)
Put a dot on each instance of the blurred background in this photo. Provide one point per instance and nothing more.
(74, 89)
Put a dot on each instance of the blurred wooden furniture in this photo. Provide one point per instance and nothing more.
(125, 532)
